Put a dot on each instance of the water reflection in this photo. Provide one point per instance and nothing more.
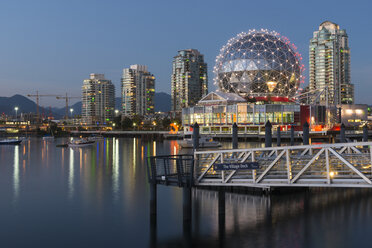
(71, 174)
(305, 219)
(115, 168)
(16, 172)
(102, 192)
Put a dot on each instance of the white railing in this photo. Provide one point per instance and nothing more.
(323, 165)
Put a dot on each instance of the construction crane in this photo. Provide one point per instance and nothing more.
(37, 96)
(67, 99)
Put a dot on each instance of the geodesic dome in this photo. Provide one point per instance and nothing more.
(259, 64)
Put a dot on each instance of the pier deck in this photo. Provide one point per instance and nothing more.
(323, 165)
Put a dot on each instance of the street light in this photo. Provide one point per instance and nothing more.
(71, 110)
(16, 110)
(116, 112)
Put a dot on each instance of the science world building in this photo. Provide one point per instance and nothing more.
(259, 65)
(258, 75)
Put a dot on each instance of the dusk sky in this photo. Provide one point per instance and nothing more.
(52, 46)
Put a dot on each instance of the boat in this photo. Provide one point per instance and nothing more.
(48, 137)
(10, 142)
(95, 137)
(81, 142)
(62, 145)
(204, 142)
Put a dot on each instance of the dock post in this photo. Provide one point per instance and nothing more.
(153, 216)
(268, 134)
(235, 136)
(278, 138)
(342, 133)
(153, 200)
(365, 133)
(305, 133)
(292, 135)
(187, 216)
(186, 203)
(221, 216)
(195, 136)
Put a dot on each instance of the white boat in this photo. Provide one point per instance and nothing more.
(48, 137)
(10, 142)
(204, 142)
(81, 143)
(95, 137)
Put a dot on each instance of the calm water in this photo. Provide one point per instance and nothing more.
(99, 197)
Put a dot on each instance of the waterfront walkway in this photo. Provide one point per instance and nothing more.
(323, 165)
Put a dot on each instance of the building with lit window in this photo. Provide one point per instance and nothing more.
(137, 91)
(189, 79)
(329, 68)
(258, 75)
(98, 100)
(354, 114)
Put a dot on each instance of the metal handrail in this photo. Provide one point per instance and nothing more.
(320, 165)
(176, 170)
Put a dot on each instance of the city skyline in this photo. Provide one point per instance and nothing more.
(59, 46)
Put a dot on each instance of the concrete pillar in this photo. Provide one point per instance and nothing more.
(292, 135)
(153, 198)
(278, 138)
(186, 203)
(235, 136)
(195, 136)
(305, 133)
(268, 134)
(342, 133)
(221, 216)
(187, 217)
(153, 217)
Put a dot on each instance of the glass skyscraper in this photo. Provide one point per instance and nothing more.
(329, 67)
(189, 79)
(137, 91)
(98, 100)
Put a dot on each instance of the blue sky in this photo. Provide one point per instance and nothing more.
(51, 46)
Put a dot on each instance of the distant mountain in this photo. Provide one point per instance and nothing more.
(25, 105)
(162, 102)
(62, 111)
(7, 104)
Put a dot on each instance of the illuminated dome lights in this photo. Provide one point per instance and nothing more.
(259, 64)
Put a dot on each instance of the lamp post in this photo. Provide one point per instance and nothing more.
(16, 110)
(71, 110)
(116, 112)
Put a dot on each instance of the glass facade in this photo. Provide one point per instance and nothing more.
(329, 64)
(137, 91)
(189, 79)
(98, 100)
(241, 113)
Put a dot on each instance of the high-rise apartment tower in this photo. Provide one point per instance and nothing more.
(329, 67)
(98, 100)
(137, 91)
(189, 79)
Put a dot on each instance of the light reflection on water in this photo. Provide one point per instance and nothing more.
(101, 192)
(16, 173)
(71, 174)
